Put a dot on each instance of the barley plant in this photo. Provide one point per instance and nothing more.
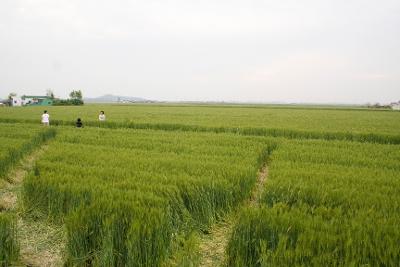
(326, 203)
(130, 189)
(9, 249)
(17, 140)
(125, 194)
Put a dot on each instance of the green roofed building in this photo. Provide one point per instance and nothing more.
(30, 100)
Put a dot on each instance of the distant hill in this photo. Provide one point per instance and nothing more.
(114, 99)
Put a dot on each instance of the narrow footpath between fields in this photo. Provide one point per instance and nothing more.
(41, 243)
(213, 245)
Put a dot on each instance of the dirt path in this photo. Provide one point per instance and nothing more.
(10, 190)
(212, 246)
(259, 187)
(40, 242)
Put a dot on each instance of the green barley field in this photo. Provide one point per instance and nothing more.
(149, 186)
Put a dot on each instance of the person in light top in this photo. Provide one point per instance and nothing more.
(45, 118)
(102, 116)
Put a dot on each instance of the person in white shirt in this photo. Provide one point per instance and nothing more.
(102, 116)
(45, 118)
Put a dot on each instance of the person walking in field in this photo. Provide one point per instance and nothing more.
(45, 118)
(102, 116)
(79, 123)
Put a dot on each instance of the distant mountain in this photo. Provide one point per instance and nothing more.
(114, 99)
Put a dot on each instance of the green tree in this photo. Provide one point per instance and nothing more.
(75, 98)
(76, 94)
(11, 95)
(50, 93)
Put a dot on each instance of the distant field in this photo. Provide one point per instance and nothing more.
(135, 191)
(295, 118)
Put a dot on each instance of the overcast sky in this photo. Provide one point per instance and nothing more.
(251, 50)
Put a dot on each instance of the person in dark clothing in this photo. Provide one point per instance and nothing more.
(79, 123)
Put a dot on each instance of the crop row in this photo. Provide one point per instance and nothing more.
(380, 138)
(9, 249)
(237, 116)
(325, 204)
(16, 140)
(126, 194)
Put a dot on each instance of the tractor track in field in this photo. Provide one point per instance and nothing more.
(39, 241)
(212, 246)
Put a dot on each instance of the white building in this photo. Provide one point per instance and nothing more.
(16, 101)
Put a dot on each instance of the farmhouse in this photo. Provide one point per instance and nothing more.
(27, 100)
(16, 101)
(37, 100)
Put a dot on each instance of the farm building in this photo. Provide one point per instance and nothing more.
(31, 101)
(16, 101)
(37, 100)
